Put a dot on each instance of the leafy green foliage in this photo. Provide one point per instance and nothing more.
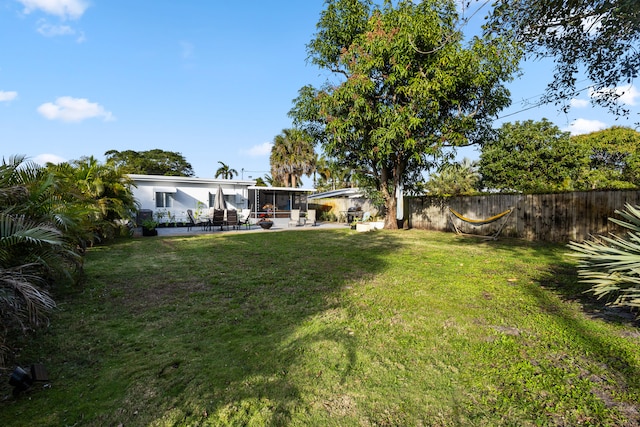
(613, 158)
(611, 265)
(32, 247)
(48, 216)
(530, 157)
(225, 171)
(597, 37)
(455, 179)
(406, 91)
(292, 156)
(100, 196)
(151, 162)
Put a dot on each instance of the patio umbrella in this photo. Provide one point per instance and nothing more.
(219, 202)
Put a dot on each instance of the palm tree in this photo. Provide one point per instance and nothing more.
(455, 179)
(101, 194)
(292, 156)
(225, 171)
(32, 245)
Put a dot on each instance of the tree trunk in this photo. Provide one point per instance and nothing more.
(390, 204)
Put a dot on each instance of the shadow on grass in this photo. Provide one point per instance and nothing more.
(562, 277)
(608, 362)
(227, 330)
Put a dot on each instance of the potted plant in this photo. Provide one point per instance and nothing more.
(265, 219)
(265, 223)
(149, 227)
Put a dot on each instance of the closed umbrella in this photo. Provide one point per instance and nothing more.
(219, 202)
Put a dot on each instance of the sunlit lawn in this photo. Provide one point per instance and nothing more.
(320, 327)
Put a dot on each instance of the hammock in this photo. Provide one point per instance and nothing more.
(479, 222)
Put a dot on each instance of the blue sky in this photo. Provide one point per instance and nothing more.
(213, 80)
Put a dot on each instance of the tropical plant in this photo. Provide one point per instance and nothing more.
(611, 264)
(99, 193)
(260, 182)
(292, 156)
(225, 172)
(33, 248)
(455, 179)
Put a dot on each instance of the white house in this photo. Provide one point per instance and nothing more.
(171, 196)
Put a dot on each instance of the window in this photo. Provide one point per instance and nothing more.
(163, 200)
(228, 198)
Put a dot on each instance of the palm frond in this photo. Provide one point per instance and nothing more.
(611, 264)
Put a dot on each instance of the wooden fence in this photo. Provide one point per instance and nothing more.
(546, 217)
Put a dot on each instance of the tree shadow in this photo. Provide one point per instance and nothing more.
(560, 278)
(220, 325)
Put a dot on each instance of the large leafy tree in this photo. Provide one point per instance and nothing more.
(613, 158)
(598, 37)
(151, 162)
(531, 156)
(225, 171)
(407, 88)
(292, 156)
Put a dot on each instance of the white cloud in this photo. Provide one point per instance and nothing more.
(579, 103)
(43, 159)
(68, 109)
(628, 95)
(259, 150)
(582, 126)
(187, 50)
(8, 96)
(72, 9)
(51, 30)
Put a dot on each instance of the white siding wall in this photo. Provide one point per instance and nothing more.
(188, 195)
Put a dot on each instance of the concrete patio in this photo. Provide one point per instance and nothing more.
(279, 224)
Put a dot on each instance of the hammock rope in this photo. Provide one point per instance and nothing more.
(481, 221)
(489, 220)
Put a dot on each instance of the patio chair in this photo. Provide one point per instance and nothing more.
(295, 219)
(193, 222)
(244, 217)
(311, 217)
(232, 219)
(218, 218)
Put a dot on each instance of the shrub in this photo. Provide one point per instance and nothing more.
(612, 264)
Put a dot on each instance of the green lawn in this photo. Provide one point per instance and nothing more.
(330, 328)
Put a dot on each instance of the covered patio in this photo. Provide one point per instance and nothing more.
(277, 202)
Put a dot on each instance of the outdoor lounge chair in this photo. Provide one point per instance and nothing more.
(193, 222)
(295, 219)
(244, 217)
(232, 219)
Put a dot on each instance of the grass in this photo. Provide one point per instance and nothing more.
(330, 328)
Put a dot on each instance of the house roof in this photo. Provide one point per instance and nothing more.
(174, 180)
(290, 189)
(350, 193)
